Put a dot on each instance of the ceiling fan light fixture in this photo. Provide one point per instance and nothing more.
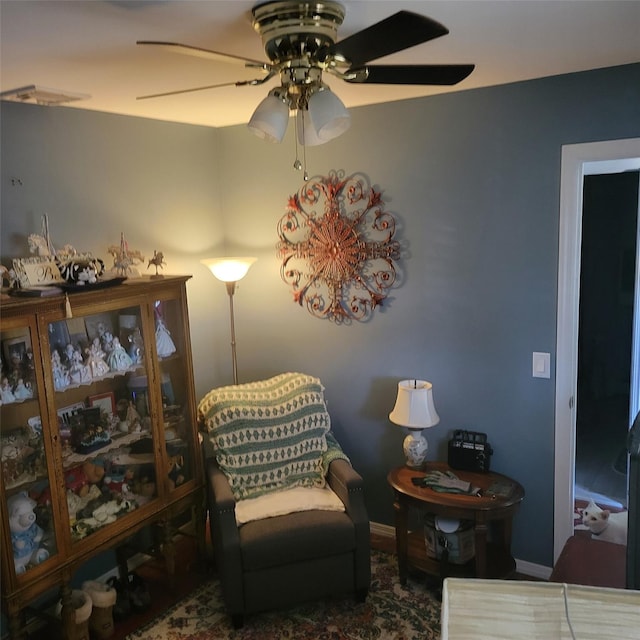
(306, 132)
(269, 120)
(327, 114)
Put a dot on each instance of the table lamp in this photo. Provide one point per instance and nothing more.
(414, 410)
(229, 271)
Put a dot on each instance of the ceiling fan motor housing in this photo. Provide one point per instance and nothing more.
(292, 30)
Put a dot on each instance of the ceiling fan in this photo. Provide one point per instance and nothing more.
(300, 40)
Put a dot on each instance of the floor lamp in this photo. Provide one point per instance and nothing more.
(230, 271)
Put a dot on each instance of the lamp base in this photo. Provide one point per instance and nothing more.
(415, 447)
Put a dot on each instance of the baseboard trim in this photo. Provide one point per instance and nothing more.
(537, 571)
(383, 530)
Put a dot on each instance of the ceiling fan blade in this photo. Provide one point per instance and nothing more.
(176, 47)
(441, 74)
(240, 83)
(397, 32)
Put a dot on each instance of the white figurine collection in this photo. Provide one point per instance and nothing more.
(18, 375)
(105, 354)
(73, 365)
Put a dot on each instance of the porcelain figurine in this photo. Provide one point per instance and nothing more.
(95, 360)
(6, 393)
(61, 378)
(26, 534)
(118, 359)
(21, 391)
(164, 344)
(79, 372)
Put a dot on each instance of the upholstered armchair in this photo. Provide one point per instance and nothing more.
(286, 509)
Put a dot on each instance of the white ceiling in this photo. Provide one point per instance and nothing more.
(88, 46)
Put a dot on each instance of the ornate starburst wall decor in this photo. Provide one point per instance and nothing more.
(337, 247)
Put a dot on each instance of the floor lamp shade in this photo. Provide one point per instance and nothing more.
(229, 271)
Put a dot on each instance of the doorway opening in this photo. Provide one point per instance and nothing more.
(579, 161)
(605, 338)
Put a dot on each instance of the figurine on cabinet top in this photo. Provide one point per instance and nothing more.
(81, 271)
(157, 261)
(26, 534)
(124, 258)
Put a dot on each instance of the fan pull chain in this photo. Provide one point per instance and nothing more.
(305, 175)
(297, 165)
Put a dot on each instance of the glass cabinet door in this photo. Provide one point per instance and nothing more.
(24, 455)
(99, 369)
(176, 406)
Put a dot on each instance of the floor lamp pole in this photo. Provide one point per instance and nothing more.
(231, 287)
(230, 271)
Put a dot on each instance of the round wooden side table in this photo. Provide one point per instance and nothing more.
(490, 510)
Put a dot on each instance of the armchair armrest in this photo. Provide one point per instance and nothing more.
(348, 485)
(221, 497)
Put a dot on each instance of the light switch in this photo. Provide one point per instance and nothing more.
(541, 365)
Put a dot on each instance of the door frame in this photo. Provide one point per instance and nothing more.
(578, 160)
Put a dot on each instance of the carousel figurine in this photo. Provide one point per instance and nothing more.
(125, 259)
(157, 261)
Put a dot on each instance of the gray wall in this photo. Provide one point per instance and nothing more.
(473, 178)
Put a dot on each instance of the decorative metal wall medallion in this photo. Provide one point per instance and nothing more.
(337, 247)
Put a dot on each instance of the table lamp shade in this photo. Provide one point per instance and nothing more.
(414, 408)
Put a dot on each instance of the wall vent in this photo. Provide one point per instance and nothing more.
(41, 95)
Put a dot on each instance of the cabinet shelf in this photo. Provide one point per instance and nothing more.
(107, 376)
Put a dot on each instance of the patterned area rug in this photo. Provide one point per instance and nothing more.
(391, 612)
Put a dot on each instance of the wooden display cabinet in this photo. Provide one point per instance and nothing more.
(98, 431)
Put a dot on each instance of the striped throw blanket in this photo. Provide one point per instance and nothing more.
(271, 434)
